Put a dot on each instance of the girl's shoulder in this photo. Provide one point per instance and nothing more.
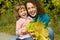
(20, 20)
(29, 18)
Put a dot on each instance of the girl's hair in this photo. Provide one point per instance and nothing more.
(40, 8)
(18, 6)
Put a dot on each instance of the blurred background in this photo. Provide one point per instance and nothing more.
(8, 18)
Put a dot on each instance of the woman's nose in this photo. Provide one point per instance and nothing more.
(31, 10)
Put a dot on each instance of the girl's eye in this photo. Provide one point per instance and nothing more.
(23, 10)
(20, 11)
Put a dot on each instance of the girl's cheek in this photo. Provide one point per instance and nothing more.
(26, 12)
(20, 14)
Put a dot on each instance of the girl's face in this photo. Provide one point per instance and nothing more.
(32, 10)
(22, 11)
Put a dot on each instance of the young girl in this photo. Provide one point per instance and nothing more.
(21, 23)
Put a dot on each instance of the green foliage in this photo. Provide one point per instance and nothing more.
(38, 29)
(52, 7)
(7, 15)
(56, 2)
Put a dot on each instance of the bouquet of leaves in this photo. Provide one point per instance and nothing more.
(39, 30)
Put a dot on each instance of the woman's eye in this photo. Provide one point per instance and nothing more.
(28, 8)
(33, 7)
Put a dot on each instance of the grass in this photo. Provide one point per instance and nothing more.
(56, 28)
(57, 37)
(8, 29)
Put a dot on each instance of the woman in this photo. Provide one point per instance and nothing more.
(35, 10)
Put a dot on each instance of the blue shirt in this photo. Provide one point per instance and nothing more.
(45, 19)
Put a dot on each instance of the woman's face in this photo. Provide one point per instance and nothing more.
(32, 10)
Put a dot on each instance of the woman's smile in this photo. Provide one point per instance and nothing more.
(32, 10)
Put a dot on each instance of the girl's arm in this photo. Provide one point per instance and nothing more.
(18, 27)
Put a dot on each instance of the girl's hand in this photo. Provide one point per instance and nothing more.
(32, 34)
(24, 31)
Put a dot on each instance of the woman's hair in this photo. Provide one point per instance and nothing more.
(40, 8)
(17, 8)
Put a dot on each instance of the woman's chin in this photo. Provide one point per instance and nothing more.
(32, 15)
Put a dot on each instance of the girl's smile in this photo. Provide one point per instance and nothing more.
(22, 12)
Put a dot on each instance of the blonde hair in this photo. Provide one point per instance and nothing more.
(17, 8)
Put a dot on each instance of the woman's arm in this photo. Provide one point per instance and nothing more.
(47, 20)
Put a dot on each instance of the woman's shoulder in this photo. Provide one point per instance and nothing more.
(46, 16)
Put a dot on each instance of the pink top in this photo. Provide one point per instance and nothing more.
(20, 25)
